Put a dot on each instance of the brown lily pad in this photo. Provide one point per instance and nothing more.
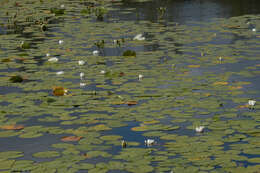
(71, 138)
(220, 83)
(59, 91)
(12, 127)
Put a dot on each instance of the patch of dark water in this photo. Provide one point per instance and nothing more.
(29, 146)
(185, 11)
(9, 89)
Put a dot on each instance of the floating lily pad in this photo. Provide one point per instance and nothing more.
(12, 127)
(47, 154)
(71, 138)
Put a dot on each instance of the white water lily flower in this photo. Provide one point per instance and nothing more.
(81, 75)
(102, 71)
(140, 77)
(59, 72)
(149, 142)
(62, 6)
(66, 92)
(81, 84)
(123, 143)
(81, 62)
(53, 59)
(139, 37)
(254, 30)
(48, 54)
(115, 41)
(95, 52)
(251, 102)
(61, 41)
(199, 129)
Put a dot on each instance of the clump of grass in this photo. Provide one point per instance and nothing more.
(100, 12)
(16, 79)
(86, 11)
(129, 53)
(57, 11)
(25, 45)
(100, 44)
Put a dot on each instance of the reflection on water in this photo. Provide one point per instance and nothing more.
(183, 11)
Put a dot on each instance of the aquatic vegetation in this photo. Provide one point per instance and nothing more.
(95, 52)
(60, 73)
(16, 79)
(82, 75)
(82, 84)
(61, 41)
(100, 44)
(150, 142)
(12, 127)
(100, 12)
(123, 143)
(53, 59)
(81, 62)
(139, 37)
(199, 129)
(57, 11)
(140, 77)
(25, 45)
(43, 27)
(59, 91)
(251, 103)
(123, 114)
(129, 53)
(71, 138)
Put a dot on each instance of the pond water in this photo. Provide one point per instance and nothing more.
(85, 83)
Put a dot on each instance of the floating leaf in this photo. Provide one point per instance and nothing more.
(71, 138)
(100, 127)
(25, 45)
(193, 66)
(6, 60)
(6, 164)
(151, 122)
(235, 87)
(10, 154)
(220, 83)
(59, 91)
(243, 106)
(131, 103)
(47, 154)
(12, 127)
